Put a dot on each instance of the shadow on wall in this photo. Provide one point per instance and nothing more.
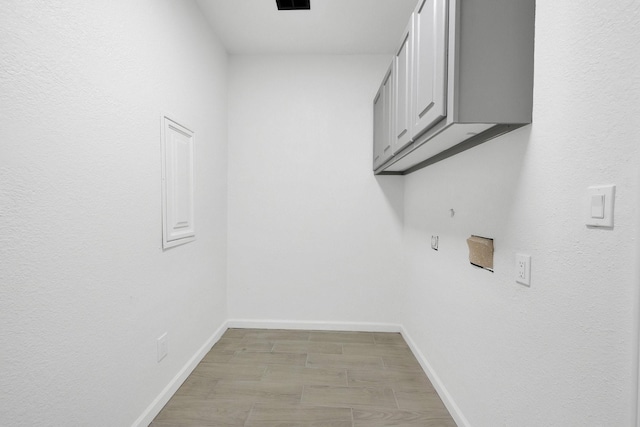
(392, 187)
(480, 185)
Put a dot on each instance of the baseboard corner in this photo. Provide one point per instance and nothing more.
(158, 403)
(444, 394)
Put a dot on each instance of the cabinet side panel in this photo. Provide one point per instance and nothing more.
(495, 54)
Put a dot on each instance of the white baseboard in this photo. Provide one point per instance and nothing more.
(158, 403)
(313, 326)
(448, 401)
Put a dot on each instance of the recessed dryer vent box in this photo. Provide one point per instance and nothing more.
(293, 4)
(481, 252)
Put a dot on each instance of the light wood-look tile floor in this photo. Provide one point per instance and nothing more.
(292, 378)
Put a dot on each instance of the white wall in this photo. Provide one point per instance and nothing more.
(85, 288)
(562, 352)
(313, 236)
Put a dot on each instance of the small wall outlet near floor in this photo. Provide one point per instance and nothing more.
(163, 346)
(523, 269)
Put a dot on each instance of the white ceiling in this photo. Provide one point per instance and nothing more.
(330, 27)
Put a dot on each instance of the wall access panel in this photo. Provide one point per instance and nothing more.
(177, 184)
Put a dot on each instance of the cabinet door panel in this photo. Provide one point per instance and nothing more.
(387, 115)
(429, 65)
(402, 68)
(378, 127)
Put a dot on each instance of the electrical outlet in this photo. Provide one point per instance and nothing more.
(523, 269)
(163, 346)
(434, 242)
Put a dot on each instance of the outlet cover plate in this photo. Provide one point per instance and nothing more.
(523, 269)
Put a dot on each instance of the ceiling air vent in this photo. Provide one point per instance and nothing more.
(293, 4)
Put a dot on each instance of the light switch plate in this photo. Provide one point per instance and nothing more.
(434, 242)
(600, 202)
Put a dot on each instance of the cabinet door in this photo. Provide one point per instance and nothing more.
(387, 115)
(402, 62)
(382, 120)
(429, 103)
(378, 127)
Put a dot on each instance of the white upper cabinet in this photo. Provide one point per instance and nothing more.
(402, 64)
(462, 74)
(429, 101)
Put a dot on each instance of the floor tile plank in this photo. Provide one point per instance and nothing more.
(238, 332)
(202, 412)
(389, 338)
(389, 377)
(259, 358)
(256, 391)
(227, 371)
(408, 363)
(278, 335)
(343, 361)
(349, 397)
(377, 350)
(421, 400)
(307, 347)
(215, 356)
(304, 375)
(342, 337)
(263, 415)
(302, 424)
(197, 386)
(235, 344)
(376, 417)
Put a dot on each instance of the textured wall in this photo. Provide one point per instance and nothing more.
(563, 352)
(85, 287)
(312, 235)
